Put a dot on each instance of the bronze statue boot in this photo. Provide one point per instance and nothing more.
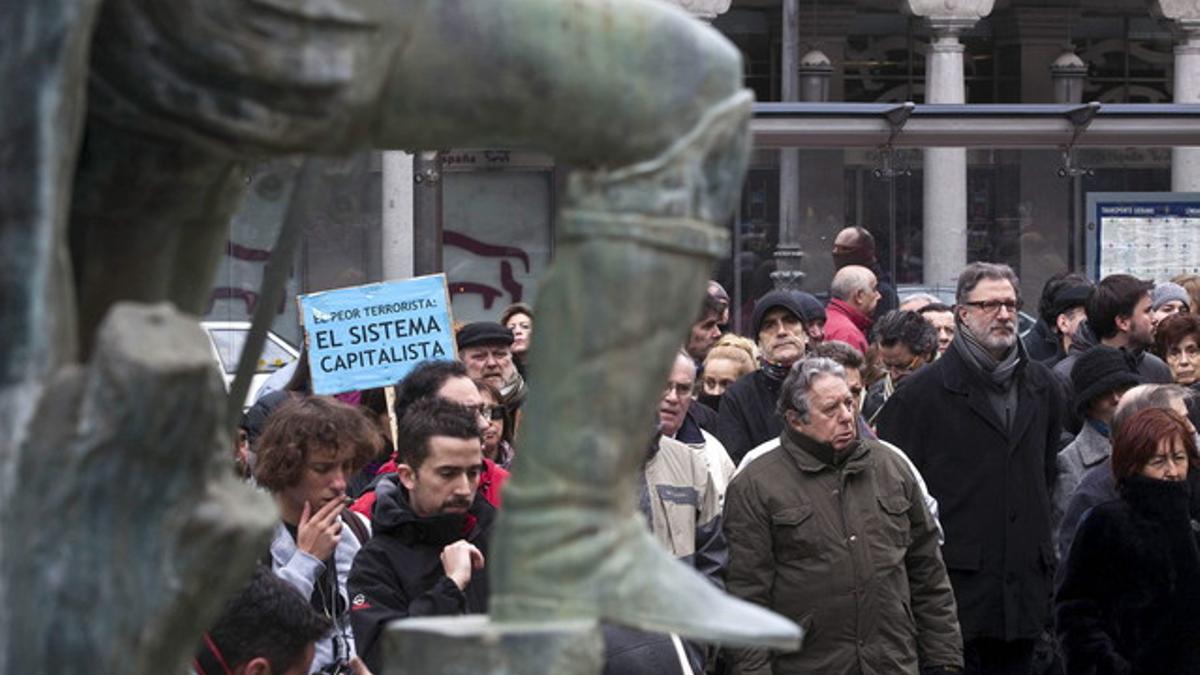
(612, 312)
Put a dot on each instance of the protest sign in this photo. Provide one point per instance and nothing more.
(371, 336)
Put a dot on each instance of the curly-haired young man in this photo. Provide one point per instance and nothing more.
(306, 455)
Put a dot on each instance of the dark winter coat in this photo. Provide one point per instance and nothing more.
(699, 416)
(888, 298)
(747, 417)
(399, 574)
(992, 485)
(1042, 343)
(1131, 585)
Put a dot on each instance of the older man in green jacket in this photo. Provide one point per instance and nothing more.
(831, 531)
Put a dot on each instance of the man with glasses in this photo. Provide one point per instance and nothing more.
(906, 342)
(677, 421)
(982, 426)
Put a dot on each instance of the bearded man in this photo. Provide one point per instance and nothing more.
(982, 424)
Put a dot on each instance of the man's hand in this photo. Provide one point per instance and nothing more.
(318, 533)
(358, 667)
(459, 560)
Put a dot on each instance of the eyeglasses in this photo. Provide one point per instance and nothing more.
(489, 412)
(904, 368)
(681, 390)
(993, 306)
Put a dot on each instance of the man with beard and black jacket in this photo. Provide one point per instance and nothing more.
(1118, 316)
(856, 246)
(747, 416)
(430, 529)
(982, 426)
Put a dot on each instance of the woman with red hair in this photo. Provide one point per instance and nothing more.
(1131, 582)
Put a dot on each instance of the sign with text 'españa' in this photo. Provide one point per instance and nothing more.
(371, 336)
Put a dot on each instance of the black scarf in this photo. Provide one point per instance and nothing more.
(775, 372)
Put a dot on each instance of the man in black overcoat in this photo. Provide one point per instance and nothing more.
(982, 424)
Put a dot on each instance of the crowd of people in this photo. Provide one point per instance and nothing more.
(910, 481)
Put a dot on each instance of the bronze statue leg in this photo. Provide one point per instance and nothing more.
(645, 101)
(43, 107)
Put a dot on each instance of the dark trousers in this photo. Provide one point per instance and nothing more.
(985, 656)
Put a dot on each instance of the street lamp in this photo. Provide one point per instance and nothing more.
(1068, 72)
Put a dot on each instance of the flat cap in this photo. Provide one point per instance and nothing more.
(483, 333)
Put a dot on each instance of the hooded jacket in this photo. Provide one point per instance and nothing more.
(398, 573)
(304, 572)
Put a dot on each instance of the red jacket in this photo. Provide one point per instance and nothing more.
(490, 482)
(846, 324)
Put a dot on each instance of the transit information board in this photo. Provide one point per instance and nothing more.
(1151, 235)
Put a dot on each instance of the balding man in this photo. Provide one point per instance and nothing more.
(854, 296)
(856, 246)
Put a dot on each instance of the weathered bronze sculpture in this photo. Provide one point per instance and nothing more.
(644, 101)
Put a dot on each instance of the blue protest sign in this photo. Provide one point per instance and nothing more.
(371, 336)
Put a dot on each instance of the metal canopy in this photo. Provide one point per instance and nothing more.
(907, 125)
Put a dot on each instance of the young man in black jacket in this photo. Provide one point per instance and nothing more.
(430, 528)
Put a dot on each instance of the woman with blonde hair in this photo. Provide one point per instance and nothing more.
(731, 358)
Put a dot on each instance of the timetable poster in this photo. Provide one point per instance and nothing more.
(1148, 239)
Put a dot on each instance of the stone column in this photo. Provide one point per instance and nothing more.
(1185, 17)
(788, 253)
(945, 194)
(397, 249)
(1036, 35)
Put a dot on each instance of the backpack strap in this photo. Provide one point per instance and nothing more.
(357, 527)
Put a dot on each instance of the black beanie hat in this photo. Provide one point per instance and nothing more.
(789, 300)
(810, 307)
(254, 419)
(483, 333)
(1100, 370)
(1069, 296)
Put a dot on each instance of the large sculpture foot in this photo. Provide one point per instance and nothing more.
(611, 313)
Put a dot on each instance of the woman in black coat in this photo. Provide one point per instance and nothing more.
(1129, 601)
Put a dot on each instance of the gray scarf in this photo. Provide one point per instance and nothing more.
(1000, 374)
(512, 394)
